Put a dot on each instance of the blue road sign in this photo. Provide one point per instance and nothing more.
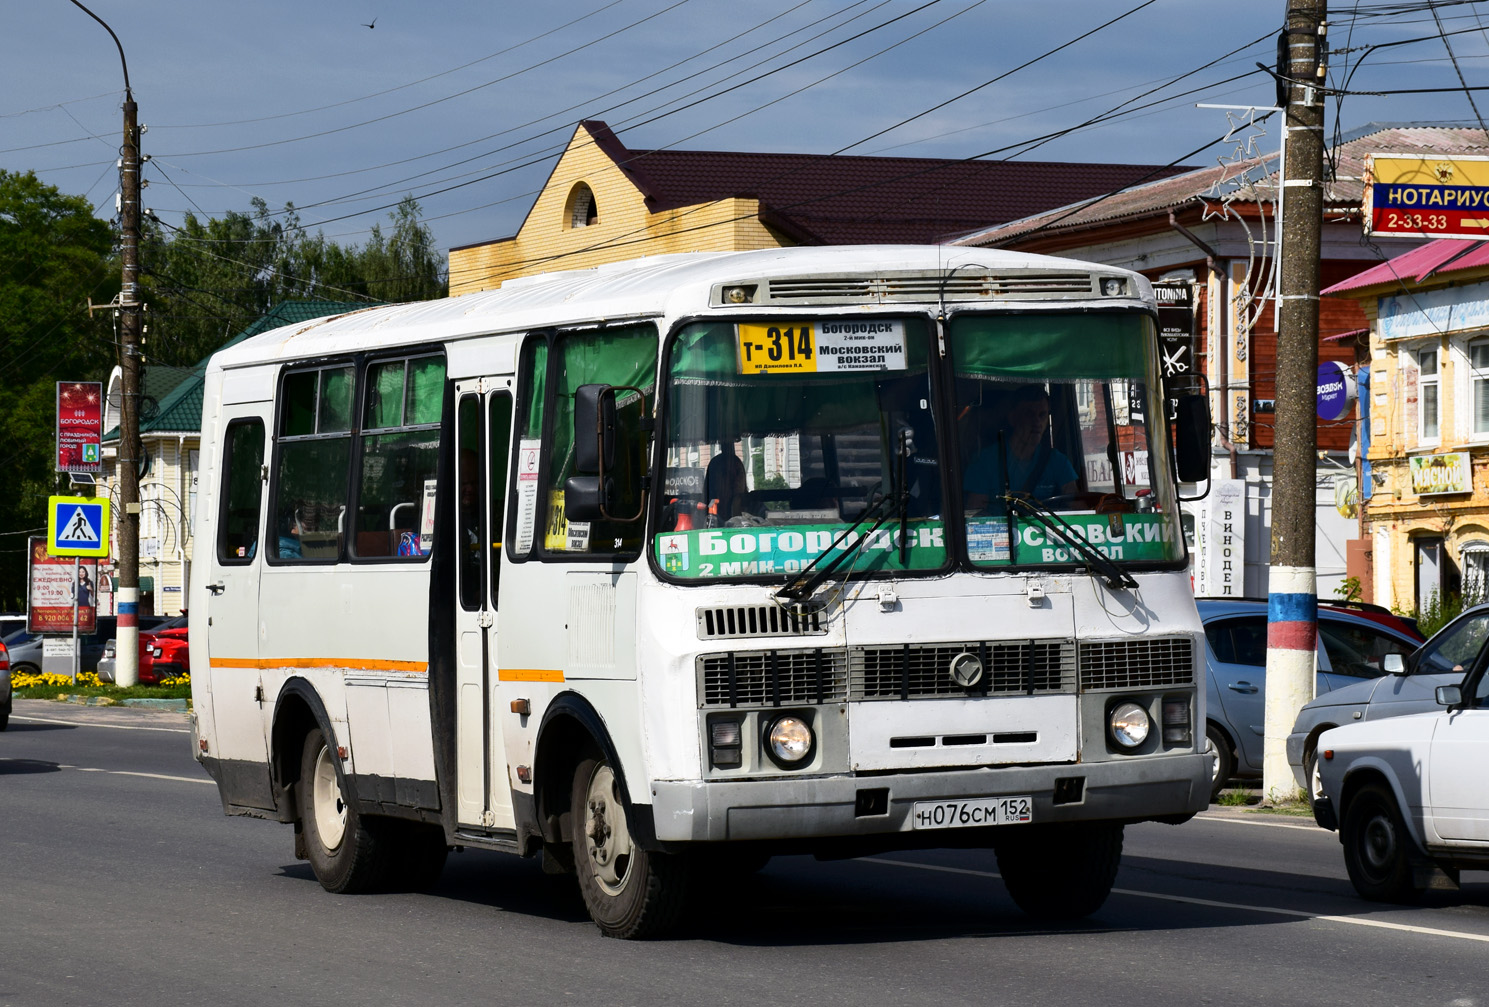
(77, 526)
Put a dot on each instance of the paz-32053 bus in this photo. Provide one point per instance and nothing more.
(668, 566)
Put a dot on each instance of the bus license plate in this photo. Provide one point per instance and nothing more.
(982, 811)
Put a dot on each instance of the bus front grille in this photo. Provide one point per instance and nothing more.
(774, 677)
(835, 675)
(1137, 664)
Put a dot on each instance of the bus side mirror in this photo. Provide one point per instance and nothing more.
(599, 489)
(594, 429)
(1192, 438)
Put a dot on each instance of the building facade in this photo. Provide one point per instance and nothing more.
(1425, 491)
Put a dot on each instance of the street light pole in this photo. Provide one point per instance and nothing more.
(127, 640)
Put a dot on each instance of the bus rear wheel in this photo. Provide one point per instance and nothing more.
(348, 853)
(1060, 872)
(630, 892)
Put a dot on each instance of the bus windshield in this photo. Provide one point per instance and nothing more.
(1060, 434)
(781, 435)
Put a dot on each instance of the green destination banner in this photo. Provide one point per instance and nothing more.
(1128, 537)
(763, 549)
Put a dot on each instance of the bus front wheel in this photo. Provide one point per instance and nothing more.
(1060, 872)
(629, 892)
(348, 853)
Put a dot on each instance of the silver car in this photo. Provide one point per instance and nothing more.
(1409, 686)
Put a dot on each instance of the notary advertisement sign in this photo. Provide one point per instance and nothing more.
(79, 426)
(53, 581)
(1450, 473)
(1435, 197)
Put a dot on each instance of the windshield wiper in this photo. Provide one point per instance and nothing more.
(801, 589)
(1115, 576)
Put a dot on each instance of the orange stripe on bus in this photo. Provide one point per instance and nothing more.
(530, 675)
(355, 663)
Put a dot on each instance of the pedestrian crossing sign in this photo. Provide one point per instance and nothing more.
(77, 526)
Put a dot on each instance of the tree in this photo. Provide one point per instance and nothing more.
(54, 256)
(209, 279)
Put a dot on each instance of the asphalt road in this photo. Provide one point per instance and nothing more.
(121, 882)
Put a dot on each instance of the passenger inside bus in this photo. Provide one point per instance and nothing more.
(1035, 467)
(289, 537)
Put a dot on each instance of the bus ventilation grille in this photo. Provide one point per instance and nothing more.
(775, 677)
(922, 287)
(1137, 664)
(735, 621)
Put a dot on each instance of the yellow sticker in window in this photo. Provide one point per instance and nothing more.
(869, 344)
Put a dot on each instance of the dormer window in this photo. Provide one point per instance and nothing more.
(582, 209)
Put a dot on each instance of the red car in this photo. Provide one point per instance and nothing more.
(163, 654)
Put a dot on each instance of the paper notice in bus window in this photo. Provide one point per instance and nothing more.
(426, 518)
(527, 494)
(987, 540)
(870, 344)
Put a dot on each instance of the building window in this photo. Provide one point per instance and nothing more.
(582, 210)
(1428, 409)
(1475, 558)
(1478, 375)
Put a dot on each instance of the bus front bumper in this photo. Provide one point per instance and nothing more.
(784, 808)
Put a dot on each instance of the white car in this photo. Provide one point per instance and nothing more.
(1407, 794)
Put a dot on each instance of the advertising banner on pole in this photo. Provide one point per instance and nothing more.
(52, 585)
(79, 426)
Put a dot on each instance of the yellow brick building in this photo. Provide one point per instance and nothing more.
(604, 202)
(1426, 419)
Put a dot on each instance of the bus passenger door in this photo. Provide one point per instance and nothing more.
(483, 424)
(232, 604)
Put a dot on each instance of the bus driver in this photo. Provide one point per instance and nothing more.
(1035, 467)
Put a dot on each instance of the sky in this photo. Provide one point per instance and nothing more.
(343, 107)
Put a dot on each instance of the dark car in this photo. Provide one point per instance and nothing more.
(1352, 647)
(6, 696)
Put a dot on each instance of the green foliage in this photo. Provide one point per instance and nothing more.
(1350, 589)
(54, 257)
(202, 284)
(212, 278)
(1438, 612)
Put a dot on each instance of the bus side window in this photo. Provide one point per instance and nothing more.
(310, 467)
(397, 454)
(499, 446)
(242, 490)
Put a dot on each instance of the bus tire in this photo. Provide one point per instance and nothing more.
(1060, 872)
(630, 893)
(348, 853)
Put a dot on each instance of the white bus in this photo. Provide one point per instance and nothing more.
(662, 568)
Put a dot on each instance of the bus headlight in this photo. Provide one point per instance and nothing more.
(789, 741)
(1129, 725)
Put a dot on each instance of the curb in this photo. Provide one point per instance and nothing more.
(180, 705)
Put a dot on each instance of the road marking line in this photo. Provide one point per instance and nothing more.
(121, 772)
(1295, 913)
(84, 723)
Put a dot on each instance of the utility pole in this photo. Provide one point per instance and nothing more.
(127, 638)
(1292, 603)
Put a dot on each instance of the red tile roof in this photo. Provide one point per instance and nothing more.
(835, 199)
